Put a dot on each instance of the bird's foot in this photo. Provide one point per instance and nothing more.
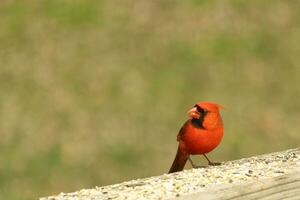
(194, 165)
(214, 163)
(199, 166)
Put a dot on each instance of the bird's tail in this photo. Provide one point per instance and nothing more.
(179, 161)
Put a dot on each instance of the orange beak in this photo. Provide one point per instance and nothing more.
(193, 113)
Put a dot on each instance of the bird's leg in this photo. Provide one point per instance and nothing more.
(210, 162)
(193, 165)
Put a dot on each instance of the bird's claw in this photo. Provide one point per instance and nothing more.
(214, 163)
(199, 166)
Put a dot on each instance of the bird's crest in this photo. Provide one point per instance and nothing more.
(209, 106)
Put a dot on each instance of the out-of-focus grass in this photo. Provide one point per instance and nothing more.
(93, 93)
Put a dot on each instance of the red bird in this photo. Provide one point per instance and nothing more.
(199, 135)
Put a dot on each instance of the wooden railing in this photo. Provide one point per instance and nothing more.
(271, 176)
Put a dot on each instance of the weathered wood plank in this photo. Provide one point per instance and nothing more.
(281, 187)
(268, 177)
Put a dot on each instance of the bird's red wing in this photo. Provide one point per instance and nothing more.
(182, 131)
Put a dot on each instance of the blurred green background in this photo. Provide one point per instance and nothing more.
(94, 92)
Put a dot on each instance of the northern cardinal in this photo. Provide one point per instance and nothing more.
(200, 134)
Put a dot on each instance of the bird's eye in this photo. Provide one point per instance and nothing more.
(199, 109)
